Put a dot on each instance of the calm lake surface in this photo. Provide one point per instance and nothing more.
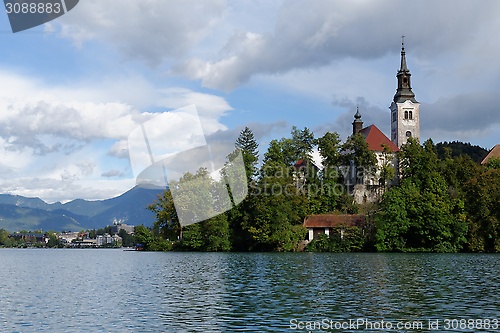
(67, 290)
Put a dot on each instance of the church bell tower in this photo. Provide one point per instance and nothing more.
(405, 116)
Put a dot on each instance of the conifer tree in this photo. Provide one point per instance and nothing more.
(249, 147)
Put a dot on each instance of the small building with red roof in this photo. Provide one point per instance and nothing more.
(326, 223)
(494, 152)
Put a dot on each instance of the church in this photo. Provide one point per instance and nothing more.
(405, 123)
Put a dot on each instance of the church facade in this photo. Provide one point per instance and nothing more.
(405, 123)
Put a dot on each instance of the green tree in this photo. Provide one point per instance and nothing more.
(143, 236)
(302, 144)
(420, 214)
(329, 148)
(247, 144)
(457, 172)
(5, 240)
(53, 240)
(167, 221)
(493, 163)
(128, 240)
(192, 238)
(355, 150)
(482, 198)
(217, 234)
(387, 168)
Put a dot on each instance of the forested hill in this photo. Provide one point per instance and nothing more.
(457, 148)
(22, 213)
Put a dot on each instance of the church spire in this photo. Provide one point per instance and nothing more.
(357, 124)
(403, 68)
(405, 115)
(404, 91)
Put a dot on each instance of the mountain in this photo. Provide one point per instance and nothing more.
(15, 218)
(21, 213)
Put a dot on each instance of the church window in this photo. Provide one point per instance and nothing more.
(410, 114)
(406, 114)
(408, 134)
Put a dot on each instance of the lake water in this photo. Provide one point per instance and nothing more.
(99, 290)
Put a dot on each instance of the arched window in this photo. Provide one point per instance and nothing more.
(411, 114)
(406, 114)
(408, 134)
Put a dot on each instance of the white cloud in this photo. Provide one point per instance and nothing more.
(316, 33)
(147, 30)
(112, 173)
(69, 138)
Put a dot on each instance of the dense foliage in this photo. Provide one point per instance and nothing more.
(446, 204)
(440, 205)
(456, 148)
(285, 189)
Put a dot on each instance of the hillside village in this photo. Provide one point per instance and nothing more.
(114, 236)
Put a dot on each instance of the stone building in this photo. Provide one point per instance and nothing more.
(405, 123)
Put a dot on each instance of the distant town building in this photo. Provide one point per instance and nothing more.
(68, 237)
(30, 238)
(115, 228)
(108, 240)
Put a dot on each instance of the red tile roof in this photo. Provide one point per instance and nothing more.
(334, 220)
(375, 138)
(494, 152)
(300, 163)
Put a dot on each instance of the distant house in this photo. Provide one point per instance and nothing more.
(494, 152)
(325, 223)
(68, 237)
(30, 238)
(108, 240)
(304, 169)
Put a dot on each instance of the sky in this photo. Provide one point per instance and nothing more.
(72, 90)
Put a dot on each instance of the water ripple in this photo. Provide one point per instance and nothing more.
(118, 291)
